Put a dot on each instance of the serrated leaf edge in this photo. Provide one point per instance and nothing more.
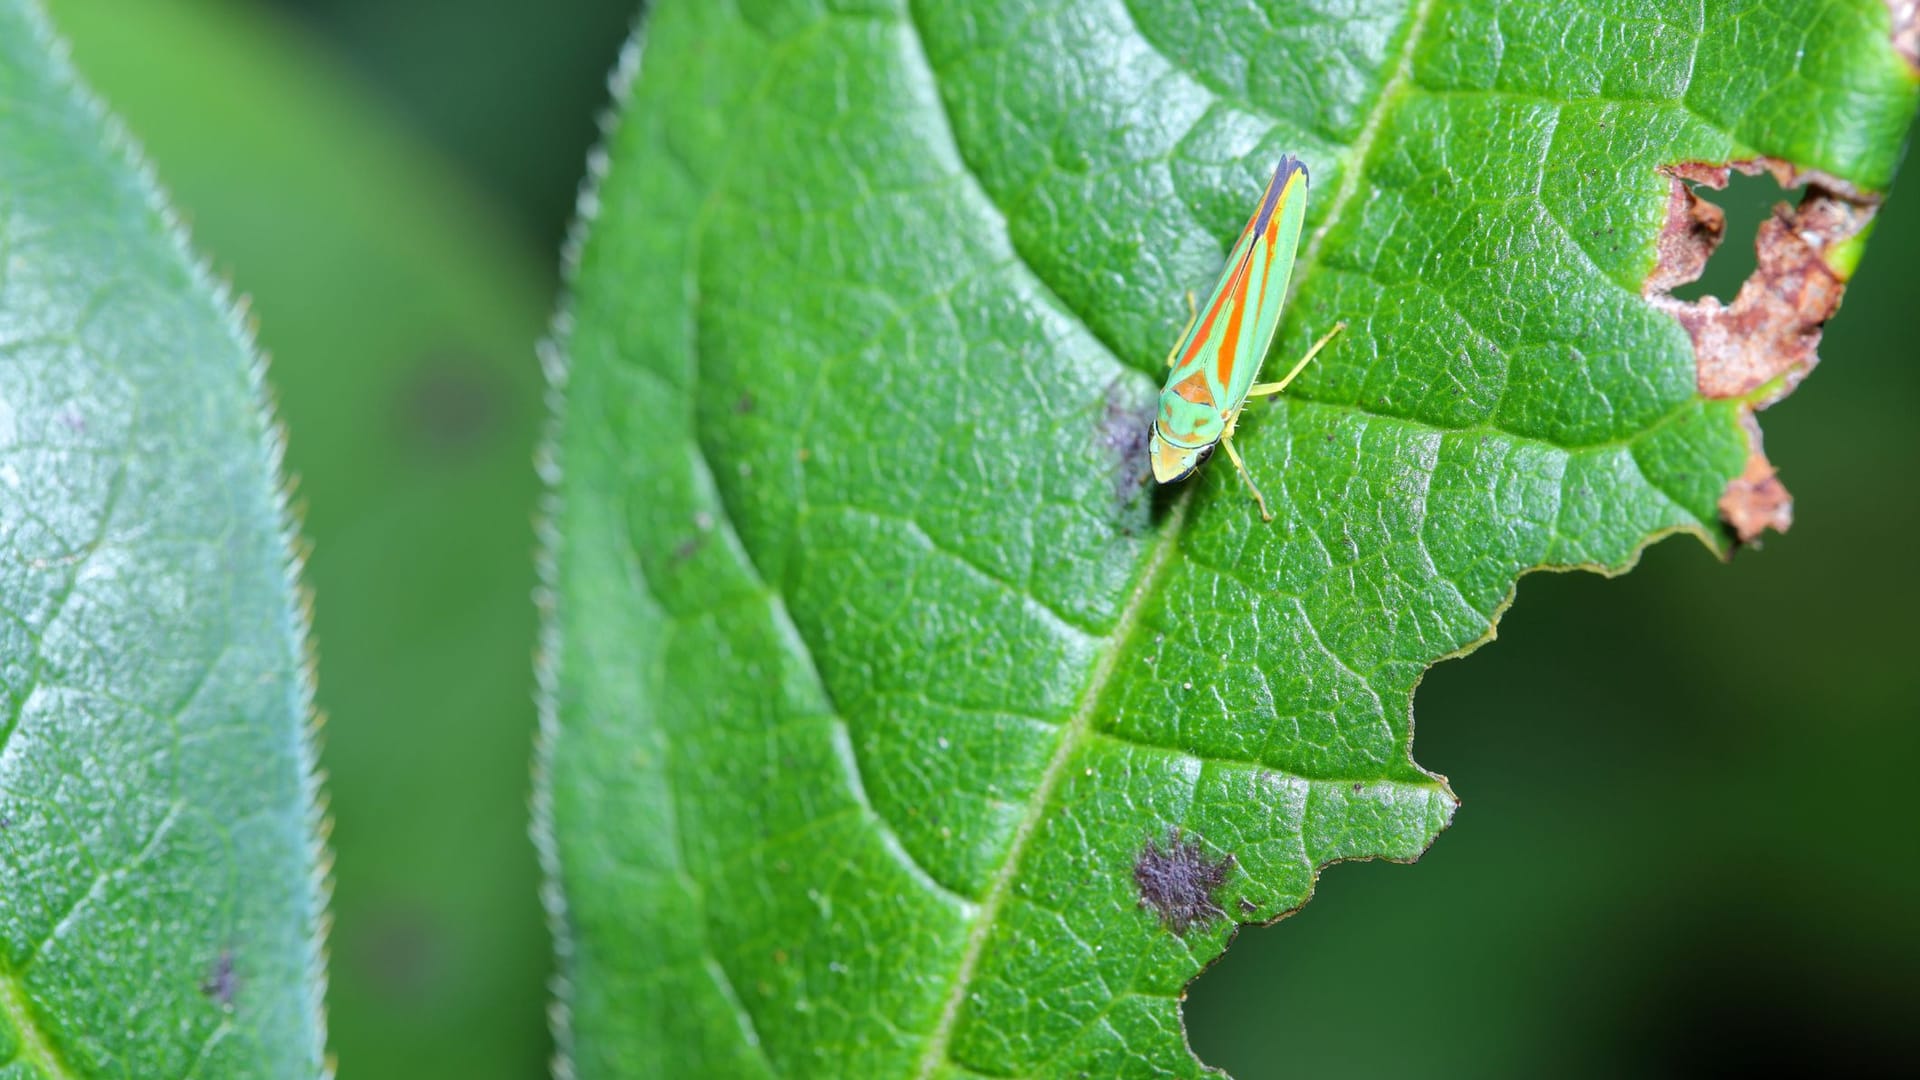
(233, 312)
(548, 464)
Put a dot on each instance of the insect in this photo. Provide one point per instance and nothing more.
(1215, 362)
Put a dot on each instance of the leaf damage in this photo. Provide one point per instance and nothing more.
(221, 982)
(1177, 882)
(1761, 345)
(1756, 500)
(1120, 435)
(1692, 232)
(1906, 30)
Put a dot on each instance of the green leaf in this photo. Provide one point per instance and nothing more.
(160, 869)
(400, 315)
(895, 727)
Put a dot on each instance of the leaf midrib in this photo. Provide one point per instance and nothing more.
(35, 1047)
(1077, 728)
(1073, 735)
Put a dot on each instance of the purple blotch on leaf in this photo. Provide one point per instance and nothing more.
(1177, 881)
(221, 983)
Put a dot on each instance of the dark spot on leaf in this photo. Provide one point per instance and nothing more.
(1356, 787)
(1177, 881)
(1120, 436)
(1769, 333)
(744, 405)
(221, 983)
(685, 549)
(450, 406)
(1248, 907)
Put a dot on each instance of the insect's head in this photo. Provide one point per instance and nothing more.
(1183, 435)
(1172, 462)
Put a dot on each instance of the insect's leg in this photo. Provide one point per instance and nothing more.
(1226, 443)
(1263, 389)
(1173, 353)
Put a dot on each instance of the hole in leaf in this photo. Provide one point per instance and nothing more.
(1747, 202)
(1759, 343)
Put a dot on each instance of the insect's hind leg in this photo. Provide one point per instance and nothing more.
(1263, 389)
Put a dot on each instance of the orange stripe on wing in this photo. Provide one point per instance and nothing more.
(1236, 290)
(1230, 338)
(1272, 241)
(1230, 341)
(1205, 329)
(1273, 234)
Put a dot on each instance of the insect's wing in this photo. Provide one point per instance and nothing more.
(1273, 237)
(1222, 351)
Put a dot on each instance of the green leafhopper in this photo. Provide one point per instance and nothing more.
(1216, 360)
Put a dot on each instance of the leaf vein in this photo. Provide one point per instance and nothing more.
(782, 618)
(1349, 186)
(34, 1044)
(1074, 734)
(100, 879)
(1081, 725)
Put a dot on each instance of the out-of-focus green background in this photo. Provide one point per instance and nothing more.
(1686, 845)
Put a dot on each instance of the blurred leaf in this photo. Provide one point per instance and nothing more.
(401, 317)
(160, 894)
(881, 685)
(509, 91)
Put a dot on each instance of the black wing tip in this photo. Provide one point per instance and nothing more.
(1282, 176)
